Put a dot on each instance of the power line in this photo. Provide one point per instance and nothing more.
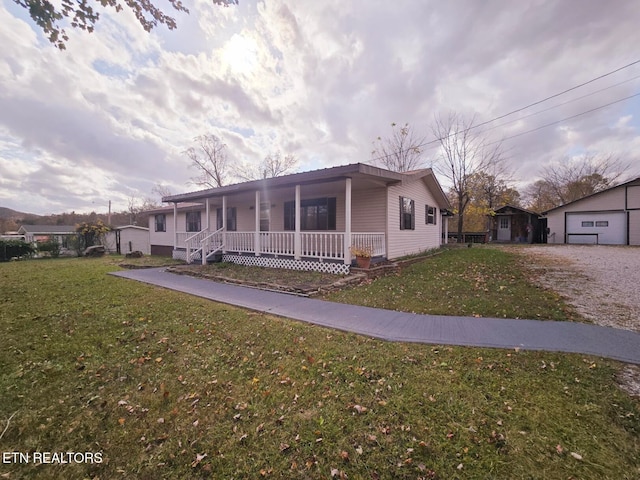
(558, 94)
(424, 144)
(566, 119)
(564, 103)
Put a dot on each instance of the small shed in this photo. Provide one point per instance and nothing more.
(128, 238)
(515, 225)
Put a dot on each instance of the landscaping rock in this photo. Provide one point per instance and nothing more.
(134, 254)
(95, 251)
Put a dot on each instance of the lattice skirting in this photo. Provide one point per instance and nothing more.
(288, 263)
(182, 255)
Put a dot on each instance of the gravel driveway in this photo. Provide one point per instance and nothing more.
(602, 282)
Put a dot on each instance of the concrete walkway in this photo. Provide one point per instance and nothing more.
(623, 345)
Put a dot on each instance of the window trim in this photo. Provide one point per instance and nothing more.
(191, 223)
(329, 223)
(160, 226)
(407, 213)
(430, 215)
(232, 219)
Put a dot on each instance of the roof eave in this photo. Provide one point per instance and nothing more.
(323, 175)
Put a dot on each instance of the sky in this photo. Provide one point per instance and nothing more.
(110, 117)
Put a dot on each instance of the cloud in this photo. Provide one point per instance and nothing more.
(110, 116)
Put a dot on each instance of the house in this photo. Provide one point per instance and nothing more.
(42, 233)
(609, 217)
(128, 238)
(305, 221)
(514, 224)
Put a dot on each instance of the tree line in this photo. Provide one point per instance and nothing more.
(481, 177)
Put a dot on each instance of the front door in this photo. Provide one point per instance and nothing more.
(504, 229)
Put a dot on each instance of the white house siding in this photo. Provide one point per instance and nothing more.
(368, 210)
(424, 237)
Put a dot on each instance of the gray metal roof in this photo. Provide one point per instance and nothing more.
(36, 229)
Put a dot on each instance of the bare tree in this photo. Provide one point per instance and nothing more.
(540, 197)
(573, 178)
(273, 165)
(463, 152)
(401, 152)
(209, 157)
(161, 190)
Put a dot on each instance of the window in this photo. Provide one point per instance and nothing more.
(407, 214)
(193, 222)
(232, 224)
(504, 222)
(161, 222)
(430, 215)
(602, 223)
(315, 214)
(265, 216)
(587, 224)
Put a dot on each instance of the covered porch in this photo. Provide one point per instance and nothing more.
(307, 223)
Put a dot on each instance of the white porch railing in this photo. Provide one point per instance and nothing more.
(277, 243)
(321, 245)
(374, 241)
(202, 243)
(240, 242)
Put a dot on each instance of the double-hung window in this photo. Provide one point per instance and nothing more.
(407, 214)
(232, 224)
(315, 214)
(430, 215)
(193, 222)
(161, 222)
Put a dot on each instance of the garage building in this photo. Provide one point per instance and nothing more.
(609, 217)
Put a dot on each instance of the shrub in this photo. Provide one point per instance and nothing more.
(51, 246)
(15, 249)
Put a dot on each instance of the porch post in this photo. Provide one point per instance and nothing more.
(297, 239)
(207, 213)
(347, 221)
(256, 241)
(175, 225)
(224, 224)
(446, 229)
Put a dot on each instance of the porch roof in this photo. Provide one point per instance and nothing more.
(513, 210)
(355, 171)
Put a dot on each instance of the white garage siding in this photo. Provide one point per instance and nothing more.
(602, 228)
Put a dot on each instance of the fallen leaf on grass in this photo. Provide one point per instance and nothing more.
(199, 458)
(577, 456)
(360, 409)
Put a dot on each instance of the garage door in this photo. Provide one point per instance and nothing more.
(608, 228)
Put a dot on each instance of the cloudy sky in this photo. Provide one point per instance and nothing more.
(109, 117)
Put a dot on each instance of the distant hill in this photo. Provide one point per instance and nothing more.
(10, 220)
(8, 214)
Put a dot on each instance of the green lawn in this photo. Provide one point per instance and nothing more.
(165, 385)
(479, 281)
